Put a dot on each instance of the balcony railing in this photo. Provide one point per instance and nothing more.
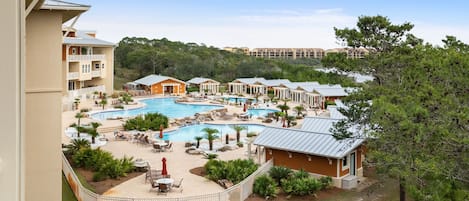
(73, 76)
(87, 90)
(96, 73)
(91, 57)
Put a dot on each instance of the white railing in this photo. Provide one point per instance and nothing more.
(96, 73)
(88, 90)
(86, 57)
(238, 192)
(73, 76)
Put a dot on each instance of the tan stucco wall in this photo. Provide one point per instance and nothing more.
(43, 88)
(10, 54)
(109, 68)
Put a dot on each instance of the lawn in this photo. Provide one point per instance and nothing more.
(67, 194)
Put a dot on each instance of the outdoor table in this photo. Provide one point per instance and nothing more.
(167, 181)
(162, 144)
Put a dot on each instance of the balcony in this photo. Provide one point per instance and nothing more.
(91, 57)
(96, 73)
(73, 76)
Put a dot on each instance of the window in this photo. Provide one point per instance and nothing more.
(74, 51)
(96, 66)
(345, 161)
(102, 66)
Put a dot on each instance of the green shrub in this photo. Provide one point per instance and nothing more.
(300, 174)
(118, 107)
(127, 164)
(233, 170)
(240, 144)
(113, 169)
(251, 134)
(300, 185)
(326, 182)
(152, 121)
(84, 110)
(75, 145)
(212, 156)
(73, 125)
(115, 95)
(98, 159)
(278, 173)
(329, 102)
(99, 176)
(192, 89)
(82, 156)
(265, 186)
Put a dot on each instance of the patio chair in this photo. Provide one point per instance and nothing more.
(157, 148)
(169, 147)
(178, 185)
(154, 185)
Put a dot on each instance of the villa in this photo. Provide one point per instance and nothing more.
(257, 85)
(161, 85)
(205, 85)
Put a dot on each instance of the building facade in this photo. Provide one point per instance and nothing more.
(297, 53)
(88, 63)
(30, 149)
(205, 85)
(161, 85)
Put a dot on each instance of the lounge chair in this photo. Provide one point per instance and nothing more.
(157, 148)
(178, 185)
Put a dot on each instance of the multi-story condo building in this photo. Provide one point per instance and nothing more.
(288, 53)
(295, 53)
(88, 63)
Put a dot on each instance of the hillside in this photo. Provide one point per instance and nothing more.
(138, 57)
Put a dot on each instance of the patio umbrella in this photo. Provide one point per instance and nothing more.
(161, 131)
(284, 125)
(245, 107)
(164, 171)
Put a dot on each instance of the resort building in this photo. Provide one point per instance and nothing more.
(311, 94)
(242, 50)
(88, 63)
(161, 85)
(253, 86)
(30, 149)
(314, 149)
(205, 85)
(353, 53)
(288, 53)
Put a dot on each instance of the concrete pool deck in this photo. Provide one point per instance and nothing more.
(178, 161)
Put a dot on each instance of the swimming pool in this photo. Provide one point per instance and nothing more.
(260, 112)
(188, 133)
(240, 100)
(165, 106)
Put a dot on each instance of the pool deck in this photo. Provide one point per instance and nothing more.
(178, 162)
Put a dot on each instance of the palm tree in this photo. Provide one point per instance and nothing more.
(93, 132)
(103, 102)
(79, 115)
(299, 109)
(289, 120)
(76, 145)
(126, 98)
(210, 135)
(76, 102)
(284, 108)
(238, 130)
(198, 138)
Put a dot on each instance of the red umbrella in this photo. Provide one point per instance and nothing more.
(245, 107)
(284, 125)
(164, 171)
(161, 131)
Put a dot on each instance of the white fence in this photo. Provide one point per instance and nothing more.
(238, 192)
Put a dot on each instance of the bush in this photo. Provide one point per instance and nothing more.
(192, 89)
(300, 186)
(265, 186)
(329, 102)
(115, 95)
(240, 144)
(113, 169)
(73, 125)
(278, 173)
(152, 121)
(212, 156)
(84, 110)
(251, 134)
(301, 174)
(118, 107)
(233, 170)
(99, 176)
(326, 182)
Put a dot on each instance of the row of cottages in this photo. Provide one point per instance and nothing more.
(311, 94)
(205, 85)
(314, 149)
(252, 86)
(160, 85)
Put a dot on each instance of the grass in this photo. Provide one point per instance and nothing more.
(67, 194)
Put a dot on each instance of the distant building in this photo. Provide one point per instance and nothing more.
(295, 53)
(205, 85)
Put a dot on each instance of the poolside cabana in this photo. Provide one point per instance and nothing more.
(247, 86)
(205, 85)
(161, 85)
(318, 153)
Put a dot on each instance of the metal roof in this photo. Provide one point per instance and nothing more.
(331, 91)
(318, 124)
(250, 80)
(313, 143)
(275, 82)
(82, 38)
(199, 80)
(153, 79)
(295, 85)
(71, 9)
(334, 113)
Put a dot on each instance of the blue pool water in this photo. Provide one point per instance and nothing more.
(240, 100)
(166, 106)
(260, 112)
(188, 133)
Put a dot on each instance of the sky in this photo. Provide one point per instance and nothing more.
(261, 23)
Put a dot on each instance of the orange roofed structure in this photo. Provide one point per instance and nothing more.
(161, 85)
